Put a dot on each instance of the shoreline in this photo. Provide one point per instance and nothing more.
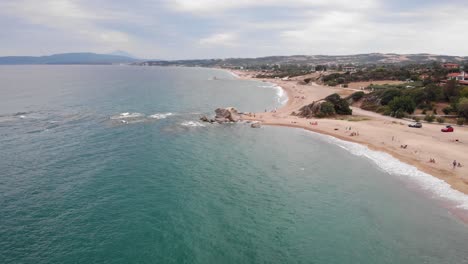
(377, 133)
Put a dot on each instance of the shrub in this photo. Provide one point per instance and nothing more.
(447, 110)
(326, 109)
(341, 105)
(388, 95)
(440, 119)
(399, 114)
(345, 85)
(357, 96)
(463, 107)
(404, 104)
(464, 92)
(429, 118)
(434, 111)
(416, 119)
(461, 121)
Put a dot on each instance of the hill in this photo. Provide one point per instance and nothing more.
(372, 58)
(68, 58)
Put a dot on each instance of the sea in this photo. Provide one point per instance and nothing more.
(110, 164)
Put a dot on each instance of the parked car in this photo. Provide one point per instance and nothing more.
(416, 125)
(447, 129)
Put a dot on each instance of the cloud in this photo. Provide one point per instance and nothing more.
(222, 39)
(177, 29)
(206, 6)
(66, 16)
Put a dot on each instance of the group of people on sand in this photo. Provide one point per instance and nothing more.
(314, 123)
(456, 164)
(403, 146)
(353, 134)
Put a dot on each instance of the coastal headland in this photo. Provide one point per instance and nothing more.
(377, 132)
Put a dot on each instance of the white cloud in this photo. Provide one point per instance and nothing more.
(67, 16)
(220, 39)
(204, 6)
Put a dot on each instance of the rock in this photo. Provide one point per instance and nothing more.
(255, 125)
(204, 119)
(229, 114)
(311, 110)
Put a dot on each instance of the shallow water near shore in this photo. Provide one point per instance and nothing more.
(108, 164)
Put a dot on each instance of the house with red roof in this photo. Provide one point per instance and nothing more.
(461, 77)
(451, 66)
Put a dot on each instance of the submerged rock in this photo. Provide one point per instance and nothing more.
(255, 125)
(204, 119)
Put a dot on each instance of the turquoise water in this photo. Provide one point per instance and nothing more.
(95, 169)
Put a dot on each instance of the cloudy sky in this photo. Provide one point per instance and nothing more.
(181, 29)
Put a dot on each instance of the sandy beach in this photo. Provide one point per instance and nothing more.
(381, 133)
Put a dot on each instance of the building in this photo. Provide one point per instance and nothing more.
(450, 65)
(349, 69)
(461, 77)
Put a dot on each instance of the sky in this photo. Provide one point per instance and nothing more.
(194, 29)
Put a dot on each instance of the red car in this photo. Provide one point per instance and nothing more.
(447, 129)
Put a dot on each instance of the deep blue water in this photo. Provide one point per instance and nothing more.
(94, 169)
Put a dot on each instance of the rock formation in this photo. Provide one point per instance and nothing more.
(223, 115)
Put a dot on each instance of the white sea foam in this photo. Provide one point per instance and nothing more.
(127, 115)
(281, 96)
(192, 124)
(160, 116)
(393, 166)
(234, 75)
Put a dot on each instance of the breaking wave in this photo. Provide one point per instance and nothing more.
(160, 116)
(127, 115)
(192, 124)
(393, 166)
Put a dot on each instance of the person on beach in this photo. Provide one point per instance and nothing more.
(454, 164)
(459, 165)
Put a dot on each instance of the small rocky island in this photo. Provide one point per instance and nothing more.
(226, 115)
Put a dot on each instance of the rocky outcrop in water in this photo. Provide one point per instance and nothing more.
(223, 115)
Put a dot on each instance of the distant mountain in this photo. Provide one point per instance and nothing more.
(68, 58)
(122, 53)
(360, 59)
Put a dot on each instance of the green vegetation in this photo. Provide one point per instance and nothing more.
(401, 105)
(429, 118)
(400, 100)
(330, 106)
(463, 107)
(340, 105)
(357, 96)
(326, 109)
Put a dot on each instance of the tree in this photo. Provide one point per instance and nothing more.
(402, 104)
(388, 95)
(327, 109)
(433, 92)
(463, 107)
(341, 105)
(464, 92)
(451, 89)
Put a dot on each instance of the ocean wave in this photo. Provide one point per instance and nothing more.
(127, 115)
(393, 166)
(192, 124)
(234, 75)
(160, 116)
(281, 95)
